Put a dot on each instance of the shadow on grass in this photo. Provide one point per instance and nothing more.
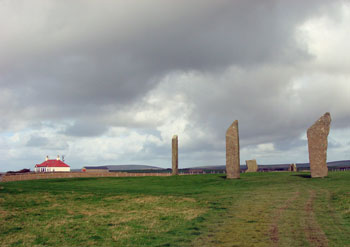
(225, 177)
(303, 175)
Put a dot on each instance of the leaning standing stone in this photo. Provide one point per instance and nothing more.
(232, 151)
(251, 166)
(317, 136)
(175, 155)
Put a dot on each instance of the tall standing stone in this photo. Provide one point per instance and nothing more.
(232, 151)
(317, 136)
(251, 166)
(175, 155)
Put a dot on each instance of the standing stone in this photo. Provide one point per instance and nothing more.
(292, 168)
(317, 142)
(175, 155)
(232, 151)
(251, 166)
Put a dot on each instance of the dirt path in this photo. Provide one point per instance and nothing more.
(313, 232)
(274, 231)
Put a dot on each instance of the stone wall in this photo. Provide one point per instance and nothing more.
(33, 176)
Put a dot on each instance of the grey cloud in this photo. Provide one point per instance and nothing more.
(334, 144)
(47, 143)
(263, 102)
(290, 143)
(112, 65)
(37, 141)
(85, 129)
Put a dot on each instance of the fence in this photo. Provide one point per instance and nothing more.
(33, 176)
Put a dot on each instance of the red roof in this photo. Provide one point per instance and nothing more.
(52, 163)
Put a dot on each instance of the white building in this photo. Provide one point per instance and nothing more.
(56, 165)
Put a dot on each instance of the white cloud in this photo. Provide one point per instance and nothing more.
(327, 40)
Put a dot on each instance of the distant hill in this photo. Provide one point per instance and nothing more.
(125, 167)
(332, 164)
(208, 167)
(262, 167)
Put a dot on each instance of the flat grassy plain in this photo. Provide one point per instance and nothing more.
(260, 209)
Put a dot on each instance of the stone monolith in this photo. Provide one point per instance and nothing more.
(317, 136)
(251, 166)
(292, 168)
(175, 155)
(232, 151)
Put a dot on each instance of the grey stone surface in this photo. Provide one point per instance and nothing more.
(317, 136)
(175, 155)
(292, 168)
(232, 151)
(252, 166)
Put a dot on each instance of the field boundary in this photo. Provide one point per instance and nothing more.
(34, 176)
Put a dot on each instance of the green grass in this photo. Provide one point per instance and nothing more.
(260, 209)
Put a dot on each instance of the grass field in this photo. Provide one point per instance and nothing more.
(260, 209)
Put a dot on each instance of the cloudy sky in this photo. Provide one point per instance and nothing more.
(108, 82)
